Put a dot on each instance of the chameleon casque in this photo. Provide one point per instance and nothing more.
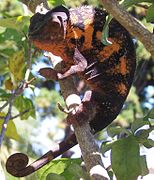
(75, 36)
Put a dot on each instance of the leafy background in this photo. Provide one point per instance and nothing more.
(42, 124)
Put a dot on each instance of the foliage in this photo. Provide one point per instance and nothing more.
(47, 101)
(127, 134)
(62, 169)
(127, 149)
(11, 131)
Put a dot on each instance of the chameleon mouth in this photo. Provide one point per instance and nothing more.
(34, 37)
(34, 34)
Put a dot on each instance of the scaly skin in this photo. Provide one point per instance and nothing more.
(75, 36)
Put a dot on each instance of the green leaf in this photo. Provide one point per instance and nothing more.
(11, 131)
(138, 124)
(127, 3)
(143, 134)
(106, 146)
(113, 131)
(105, 32)
(16, 66)
(74, 172)
(2, 29)
(22, 103)
(126, 158)
(59, 167)
(3, 67)
(52, 176)
(151, 113)
(111, 174)
(148, 143)
(150, 14)
(3, 95)
(53, 167)
(56, 2)
(15, 22)
(143, 164)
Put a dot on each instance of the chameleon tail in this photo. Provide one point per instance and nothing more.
(16, 164)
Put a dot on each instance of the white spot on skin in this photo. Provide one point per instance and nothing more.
(98, 170)
(73, 99)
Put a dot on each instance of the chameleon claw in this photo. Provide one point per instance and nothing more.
(62, 109)
(60, 76)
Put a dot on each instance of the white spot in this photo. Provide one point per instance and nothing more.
(73, 99)
(99, 170)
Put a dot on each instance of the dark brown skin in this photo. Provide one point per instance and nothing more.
(75, 36)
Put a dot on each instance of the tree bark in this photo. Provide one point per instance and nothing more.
(90, 151)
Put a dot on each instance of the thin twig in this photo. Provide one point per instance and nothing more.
(20, 114)
(6, 120)
(10, 101)
(29, 62)
(18, 91)
(4, 105)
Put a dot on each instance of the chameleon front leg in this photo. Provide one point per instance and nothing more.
(80, 64)
(87, 109)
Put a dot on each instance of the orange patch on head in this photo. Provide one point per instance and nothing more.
(121, 88)
(123, 65)
(55, 49)
(109, 50)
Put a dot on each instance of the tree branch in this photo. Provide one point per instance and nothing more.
(131, 24)
(6, 120)
(86, 141)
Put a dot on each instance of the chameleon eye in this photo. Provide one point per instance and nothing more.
(56, 21)
(54, 26)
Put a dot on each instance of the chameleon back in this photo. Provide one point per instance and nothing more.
(110, 69)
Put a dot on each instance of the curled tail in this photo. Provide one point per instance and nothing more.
(16, 164)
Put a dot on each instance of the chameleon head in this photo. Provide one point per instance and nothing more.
(49, 28)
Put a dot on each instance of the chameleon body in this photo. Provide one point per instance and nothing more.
(75, 36)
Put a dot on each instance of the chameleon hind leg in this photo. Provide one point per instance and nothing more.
(86, 111)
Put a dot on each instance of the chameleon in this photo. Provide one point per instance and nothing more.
(75, 35)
